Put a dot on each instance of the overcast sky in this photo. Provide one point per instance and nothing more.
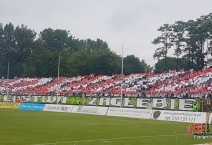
(131, 23)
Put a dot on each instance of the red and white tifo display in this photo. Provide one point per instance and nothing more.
(200, 131)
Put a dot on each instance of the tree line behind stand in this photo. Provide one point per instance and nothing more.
(30, 55)
(190, 41)
(36, 55)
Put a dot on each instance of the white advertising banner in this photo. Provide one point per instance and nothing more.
(129, 112)
(179, 116)
(89, 110)
(58, 108)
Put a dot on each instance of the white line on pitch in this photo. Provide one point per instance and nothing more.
(110, 139)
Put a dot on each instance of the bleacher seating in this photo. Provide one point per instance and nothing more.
(170, 84)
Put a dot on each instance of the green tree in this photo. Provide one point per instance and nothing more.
(2, 72)
(30, 57)
(147, 68)
(94, 45)
(56, 40)
(38, 46)
(78, 63)
(178, 30)
(171, 64)
(198, 33)
(165, 40)
(42, 65)
(132, 64)
(85, 62)
(105, 62)
(16, 47)
(209, 52)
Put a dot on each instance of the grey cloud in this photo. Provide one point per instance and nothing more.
(132, 23)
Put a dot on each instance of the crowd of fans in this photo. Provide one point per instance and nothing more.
(170, 84)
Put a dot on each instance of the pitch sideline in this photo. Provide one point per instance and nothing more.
(108, 139)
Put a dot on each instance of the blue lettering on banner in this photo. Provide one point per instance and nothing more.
(31, 106)
(79, 109)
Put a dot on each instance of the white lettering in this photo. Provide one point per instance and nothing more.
(142, 102)
(8, 98)
(104, 101)
(126, 102)
(186, 104)
(172, 103)
(115, 101)
(92, 101)
(159, 103)
(35, 98)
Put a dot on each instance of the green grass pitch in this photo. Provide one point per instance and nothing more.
(50, 128)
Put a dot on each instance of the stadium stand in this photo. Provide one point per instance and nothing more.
(170, 84)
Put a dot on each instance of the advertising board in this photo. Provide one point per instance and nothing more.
(129, 112)
(9, 105)
(179, 116)
(58, 108)
(31, 106)
(89, 110)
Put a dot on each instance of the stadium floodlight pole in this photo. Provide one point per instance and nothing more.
(58, 74)
(8, 69)
(121, 77)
